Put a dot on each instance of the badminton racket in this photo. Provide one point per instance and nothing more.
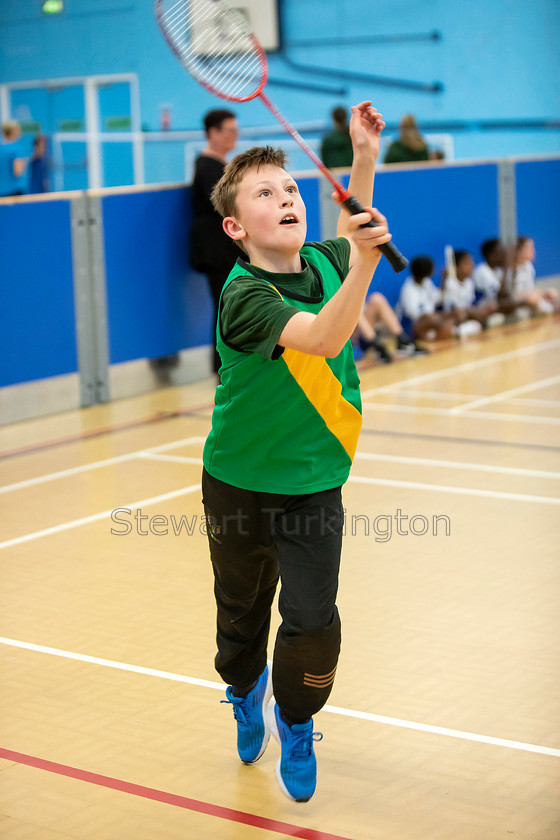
(218, 48)
(450, 267)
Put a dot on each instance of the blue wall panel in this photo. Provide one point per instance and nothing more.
(309, 190)
(156, 304)
(429, 208)
(37, 334)
(538, 211)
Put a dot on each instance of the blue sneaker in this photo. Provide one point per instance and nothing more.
(296, 769)
(252, 729)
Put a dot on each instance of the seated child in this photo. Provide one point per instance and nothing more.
(420, 303)
(378, 315)
(525, 291)
(459, 294)
(491, 277)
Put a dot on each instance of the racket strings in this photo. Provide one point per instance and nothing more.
(215, 45)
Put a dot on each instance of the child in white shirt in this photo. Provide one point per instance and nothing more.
(492, 279)
(489, 276)
(420, 302)
(525, 290)
(459, 292)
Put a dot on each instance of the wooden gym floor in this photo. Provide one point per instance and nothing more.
(444, 722)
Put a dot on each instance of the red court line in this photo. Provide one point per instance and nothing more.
(170, 798)
(90, 433)
(104, 430)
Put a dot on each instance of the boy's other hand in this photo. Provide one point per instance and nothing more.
(366, 240)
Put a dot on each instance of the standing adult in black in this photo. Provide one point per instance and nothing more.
(212, 252)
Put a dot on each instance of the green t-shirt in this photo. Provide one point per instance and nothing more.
(284, 421)
(253, 315)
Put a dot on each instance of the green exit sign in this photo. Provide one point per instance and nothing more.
(53, 7)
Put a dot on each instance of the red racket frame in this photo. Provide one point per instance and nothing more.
(397, 260)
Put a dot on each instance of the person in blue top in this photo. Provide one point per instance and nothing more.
(13, 161)
(39, 166)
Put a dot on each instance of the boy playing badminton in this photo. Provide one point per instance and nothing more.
(284, 431)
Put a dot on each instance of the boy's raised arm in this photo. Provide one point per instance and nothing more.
(326, 333)
(366, 125)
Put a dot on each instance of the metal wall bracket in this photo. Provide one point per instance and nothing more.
(88, 260)
(507, 205)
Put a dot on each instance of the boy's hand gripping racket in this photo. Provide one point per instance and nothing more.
(216, 45)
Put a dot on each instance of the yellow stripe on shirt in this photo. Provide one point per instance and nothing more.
(324, 392)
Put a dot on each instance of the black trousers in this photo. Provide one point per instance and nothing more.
(257, 539)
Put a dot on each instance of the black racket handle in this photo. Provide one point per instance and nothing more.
(397, 260)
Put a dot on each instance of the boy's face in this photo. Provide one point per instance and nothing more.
(270, 214)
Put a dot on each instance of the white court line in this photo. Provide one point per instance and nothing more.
(118, 459)
(174, 444)
(464, 367)
(176, 459)
(336, 710)
(456, 465)
(503, 395)
(110, 663)
(440, 488)
(544, 403)
(42, 479)
(441, 730)
(448, 412)
(86, 520)
(459, 491)
(396, 459)
(437, 395)
(443, 395)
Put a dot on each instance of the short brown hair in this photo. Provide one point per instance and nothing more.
(224, 194)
